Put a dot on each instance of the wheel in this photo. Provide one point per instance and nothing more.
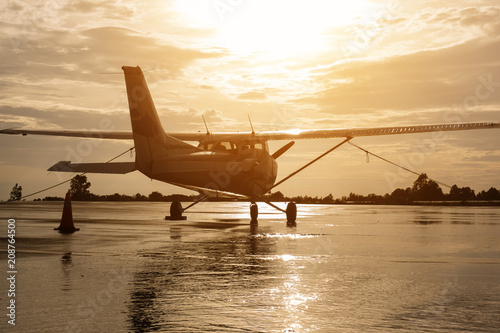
(254, 212)
(176, 210)
(291, 213)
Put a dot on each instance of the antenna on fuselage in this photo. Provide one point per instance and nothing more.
(208, 132)
(250, 120)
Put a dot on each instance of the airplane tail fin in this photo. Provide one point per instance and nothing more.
(151, 141)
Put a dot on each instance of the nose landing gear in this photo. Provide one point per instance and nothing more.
(254, 212)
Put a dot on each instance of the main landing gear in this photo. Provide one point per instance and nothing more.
(291, 213)
(176, 211)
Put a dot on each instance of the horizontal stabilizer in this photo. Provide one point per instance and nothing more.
(116, 167)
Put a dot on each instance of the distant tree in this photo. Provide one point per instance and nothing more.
(53, 199)
(17, 193)
(79, 188)
(491, 194)
(426, 189)
(114, 197)
(177, 197)
(400, 196)
(468, 194)
(277, 196)
(155, 196)
(127, 197)
(421, 181)
(461, 194)
(327, 199)
(353, 197)
(140, 197)
(374, 198)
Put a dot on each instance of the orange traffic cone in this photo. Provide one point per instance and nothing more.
(67, 225)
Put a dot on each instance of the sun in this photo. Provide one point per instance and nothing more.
(278, 29)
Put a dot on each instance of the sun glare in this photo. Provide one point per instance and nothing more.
(274, 29)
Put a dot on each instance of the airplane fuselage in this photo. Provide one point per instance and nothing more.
(244, 167)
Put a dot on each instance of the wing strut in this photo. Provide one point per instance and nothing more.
(202, 198)
(308, 164)
(273, 205)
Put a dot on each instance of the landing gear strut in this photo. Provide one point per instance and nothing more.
(291, 208)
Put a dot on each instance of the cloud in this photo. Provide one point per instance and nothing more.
(427, 79)
(191, 119)
(91, 51)
(29, 117)
(253, 95)
(113, 46)
(487, 18)
(408, 67)
(57, 70)
(107, 9)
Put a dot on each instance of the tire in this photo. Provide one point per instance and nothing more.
(176, 210)
(291, 213)
(254, 212)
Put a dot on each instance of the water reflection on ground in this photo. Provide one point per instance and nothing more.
(342, 268)
(201, 282)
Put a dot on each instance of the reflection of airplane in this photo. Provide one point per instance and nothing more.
(223, 164)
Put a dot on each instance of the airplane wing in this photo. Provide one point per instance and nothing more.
(117, 135)
(297, 134)
(294, 134)
(356, 132)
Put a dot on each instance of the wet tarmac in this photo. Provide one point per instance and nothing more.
(341, 269)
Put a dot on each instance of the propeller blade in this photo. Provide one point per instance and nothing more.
(283, 149)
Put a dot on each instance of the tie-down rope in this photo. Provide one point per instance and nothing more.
(368, 153)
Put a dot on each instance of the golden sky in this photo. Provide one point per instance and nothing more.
(288, 64)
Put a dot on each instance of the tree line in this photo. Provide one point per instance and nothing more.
(424, 190)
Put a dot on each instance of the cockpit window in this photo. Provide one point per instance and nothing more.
(257, 145)
(224, 146)
(230, 146)
(218, 146)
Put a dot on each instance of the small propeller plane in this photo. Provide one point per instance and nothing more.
(229, 164)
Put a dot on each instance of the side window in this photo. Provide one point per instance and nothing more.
(252, 146)
(206, 145)
(218, 146)
(224, 146)
(230, 146)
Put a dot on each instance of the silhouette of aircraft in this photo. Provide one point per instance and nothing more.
(229, 164)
